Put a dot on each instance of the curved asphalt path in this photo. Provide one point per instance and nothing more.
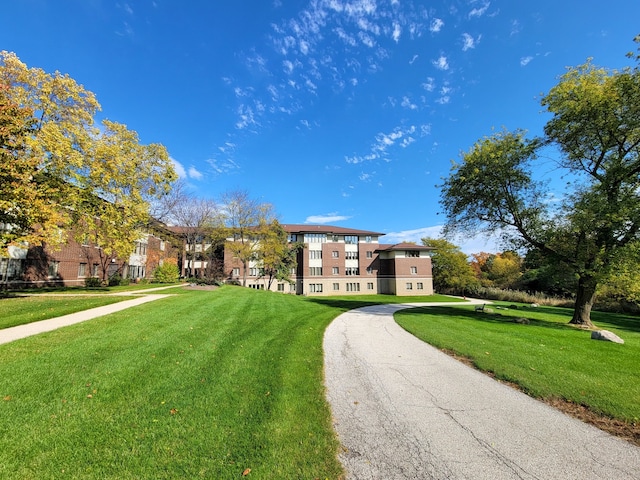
(404, 410)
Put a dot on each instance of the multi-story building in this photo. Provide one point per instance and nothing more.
(73, 262)
(344, 261)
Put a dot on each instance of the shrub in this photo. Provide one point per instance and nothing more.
(92, 282)
(166, 273)
(115, 280)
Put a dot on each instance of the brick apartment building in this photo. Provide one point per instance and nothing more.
(72, 263)
(344, 261)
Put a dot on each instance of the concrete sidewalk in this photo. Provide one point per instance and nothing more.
(21, 331)
(404, 410)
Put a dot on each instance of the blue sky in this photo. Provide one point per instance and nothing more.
(344, 112)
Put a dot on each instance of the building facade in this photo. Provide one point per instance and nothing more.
(343, 261)
(73, 262)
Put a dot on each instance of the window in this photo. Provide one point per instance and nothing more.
(336, 287)
(419, 286)
(253, 272)
(352, 271)
(369, 285)
(367, 239)
(351, 255)
(352, 239)
(236, 272)
(292, 238)
(257, 286)
(335, 254)
(369, 254)
(53, 268)
(353, 287)
(141, 248)
(335, 270)
(411, 253)
(414, 270)
(281, 287)
(315, 254)
(82, 270)
(315, 287)
(315, 271)
(315, 237)
(94, 270)
(162, 245)
(369, 270)
(409, 286)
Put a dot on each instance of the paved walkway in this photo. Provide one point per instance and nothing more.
(405, 410)
(21, 331)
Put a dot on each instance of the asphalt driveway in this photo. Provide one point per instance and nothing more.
(404, 410)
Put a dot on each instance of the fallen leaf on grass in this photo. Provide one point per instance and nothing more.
(173, 411)
(7, 398)
(246, 472)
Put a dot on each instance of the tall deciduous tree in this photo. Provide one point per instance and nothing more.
(451, 269)
(102, 178)
(596, 128)
(243, 216)
(276, 255)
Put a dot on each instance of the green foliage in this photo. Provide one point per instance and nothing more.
(92, 282)
(64, 171)
(451, 270)
(166, 273)
(595, 125)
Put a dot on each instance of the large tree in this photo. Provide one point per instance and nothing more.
(276, 255)
(451, 269)
(595, 127)
(243, 217)
(73, 172)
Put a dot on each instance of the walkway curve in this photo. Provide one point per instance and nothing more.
(404, 410)
(22, 331)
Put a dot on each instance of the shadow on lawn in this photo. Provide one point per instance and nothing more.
(536, 316)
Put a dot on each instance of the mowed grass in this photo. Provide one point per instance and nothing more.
(203, 384)
(17, 310)
(548, 358)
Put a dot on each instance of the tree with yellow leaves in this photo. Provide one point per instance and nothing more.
(74, 173)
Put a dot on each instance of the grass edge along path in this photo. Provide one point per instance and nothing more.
(596, 382)
(203, 384)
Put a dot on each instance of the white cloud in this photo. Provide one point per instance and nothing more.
(429, 85)
(441, 63)
(524, 61)
(397, 31)
(407, 103)
(436, 25)
(194, 173)
(326, 218)
(179, 168)
(469, 42)
(478, 12)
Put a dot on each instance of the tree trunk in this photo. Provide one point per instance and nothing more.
(584, 301)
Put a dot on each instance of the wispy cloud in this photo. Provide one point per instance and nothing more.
(399, 137)
(479, 11)
(436, 25)
(441, 63)
(524, 61)
(179, 168)
(468, 42)
(194, 173)
(326, 218)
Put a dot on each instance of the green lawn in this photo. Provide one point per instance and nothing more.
(209, 384)
(547, 358)
(203, 384)
(16, 310)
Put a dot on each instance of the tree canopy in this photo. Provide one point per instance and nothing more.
(451, 270)
(67, 169)
(595, 126)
